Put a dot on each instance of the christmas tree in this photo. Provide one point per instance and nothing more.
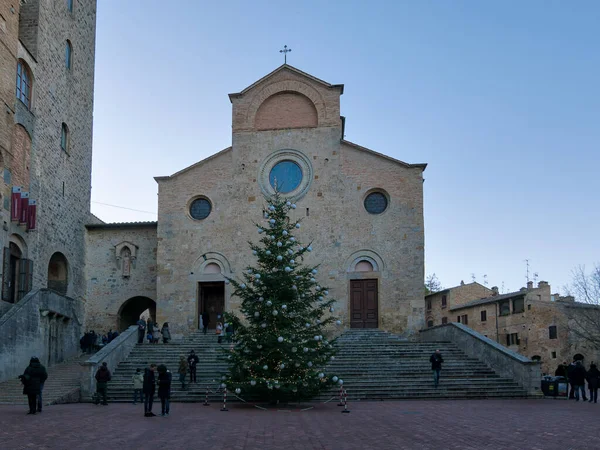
(278, 350)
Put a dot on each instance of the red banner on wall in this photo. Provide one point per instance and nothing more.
(31, 215)
(15, 204)
(24, 207)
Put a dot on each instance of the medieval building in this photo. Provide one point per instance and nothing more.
(47, 51)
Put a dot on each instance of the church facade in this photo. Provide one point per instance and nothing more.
(362, 211)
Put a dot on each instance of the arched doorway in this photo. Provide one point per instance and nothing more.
(132, 309)
(58, 273)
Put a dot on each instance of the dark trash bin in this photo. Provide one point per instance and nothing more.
(554, 386)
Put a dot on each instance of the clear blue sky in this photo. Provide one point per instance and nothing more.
(501, 99)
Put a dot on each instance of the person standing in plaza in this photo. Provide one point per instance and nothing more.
(593, 379)
(164, 389)
(103, 376)
(183, 370)
(141, 330)
(166, 333)
(192, 362)
(570, 369)
(578, 375)
(138, 384)
(149, 388)
(33, 377)
(205, 321)
(436, 361)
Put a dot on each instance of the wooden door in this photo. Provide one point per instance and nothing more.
(212, 299)
(363, 304)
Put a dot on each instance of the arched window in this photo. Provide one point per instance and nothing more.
(68, 54)
(64, 137)
(24, 83)
(58, 273)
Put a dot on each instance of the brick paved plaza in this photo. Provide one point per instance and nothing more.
(468, 424)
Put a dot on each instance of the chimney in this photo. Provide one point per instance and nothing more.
(494, 291)
(530, 285)
(542, 284)
(462, 283)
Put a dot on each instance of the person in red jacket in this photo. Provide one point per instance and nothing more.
(103, 376)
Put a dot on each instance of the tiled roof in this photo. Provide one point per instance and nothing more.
(486, 300)
(96, 226)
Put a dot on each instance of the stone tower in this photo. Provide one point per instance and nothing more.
(47, 86)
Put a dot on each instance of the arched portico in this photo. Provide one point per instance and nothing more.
(131, 309)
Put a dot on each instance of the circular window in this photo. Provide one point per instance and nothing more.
(200, 208)
(376, 203)
(285, 176)
(286, 171)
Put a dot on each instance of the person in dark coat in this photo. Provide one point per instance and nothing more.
(103, 376)
(149, 389)
(593, 379)
(141, 330)
(578, 375)
(164, 389)
(192, 361)
(205, 321)
(33, 377)
(436, 361)
(166, 333)
(561, 371)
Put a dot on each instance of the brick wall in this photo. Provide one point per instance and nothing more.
(29, 21)
(286, 110)
(21, 153)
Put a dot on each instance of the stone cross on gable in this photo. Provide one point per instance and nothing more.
(285, 52)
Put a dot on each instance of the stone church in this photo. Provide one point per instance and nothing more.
(362, 211)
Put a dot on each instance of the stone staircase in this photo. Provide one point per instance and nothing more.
(62, 385)
(374, 364)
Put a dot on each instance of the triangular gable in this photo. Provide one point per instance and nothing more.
(381, 155)
(199, 163)
(291, 69)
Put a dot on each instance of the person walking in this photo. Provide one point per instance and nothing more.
(593, 379)
(166, 333)
(141, 330)
(436, 361)
(205, 321)
(219, 332)
(149, 388)
(183, 370)
(164, 389)
(579, 375)
(32, 378)
(138, 384)
(192, 362)
(103, 376)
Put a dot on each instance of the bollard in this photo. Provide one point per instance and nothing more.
(224, 408)
(206, 398)
(346, 410)
(341, 403)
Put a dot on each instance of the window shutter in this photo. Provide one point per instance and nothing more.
(24, 207)
(25, 277)
(15, 204)
(6, 278)
(31, 215)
